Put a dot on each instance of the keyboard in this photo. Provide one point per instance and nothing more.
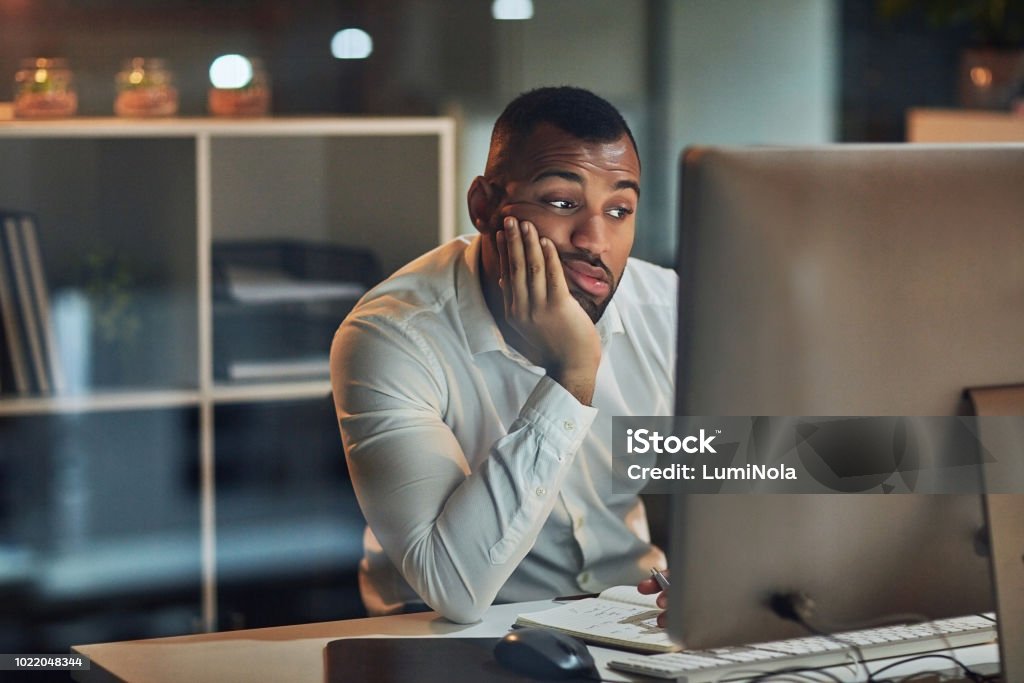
(735, 663)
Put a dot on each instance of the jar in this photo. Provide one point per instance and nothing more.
(44, 88)
(248, 98)
(145, 87)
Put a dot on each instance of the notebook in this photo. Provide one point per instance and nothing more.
(619, 617)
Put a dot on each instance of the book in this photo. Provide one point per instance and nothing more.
(10, 311)
(620, 617)
(41, 294)
(29, 316)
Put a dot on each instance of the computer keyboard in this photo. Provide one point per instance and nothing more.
(732, 663)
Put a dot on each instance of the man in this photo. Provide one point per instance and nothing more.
(475, 387)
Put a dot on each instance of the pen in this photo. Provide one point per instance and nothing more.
(582, 596)
(660, 578)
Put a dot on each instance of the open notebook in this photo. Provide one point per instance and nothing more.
(619, 617)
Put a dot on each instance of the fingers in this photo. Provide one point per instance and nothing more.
(554, 276)
(516, 268)
(524, 265)
(650, 587)
(503, 281)
(536, 277)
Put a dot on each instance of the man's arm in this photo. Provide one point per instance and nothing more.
(454, 535)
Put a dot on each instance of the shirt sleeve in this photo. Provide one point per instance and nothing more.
(455, 535)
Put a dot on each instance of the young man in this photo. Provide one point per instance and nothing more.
(475, 387)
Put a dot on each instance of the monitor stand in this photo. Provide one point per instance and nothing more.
(1004, 516)
(1004, 513)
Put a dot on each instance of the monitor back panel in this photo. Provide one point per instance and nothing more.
(845, 280)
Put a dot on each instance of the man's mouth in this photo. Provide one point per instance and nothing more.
(591, 279)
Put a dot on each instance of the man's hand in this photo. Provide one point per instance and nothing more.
(649, 587)
(560, 335)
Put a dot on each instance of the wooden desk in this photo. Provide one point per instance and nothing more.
(295, 653)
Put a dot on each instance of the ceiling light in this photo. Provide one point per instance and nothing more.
(230, 71)
(516, 10)
(351, 43)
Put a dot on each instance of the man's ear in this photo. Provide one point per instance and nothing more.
(483, 198)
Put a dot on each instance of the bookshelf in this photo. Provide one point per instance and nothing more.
(964, 125)
(128, 213)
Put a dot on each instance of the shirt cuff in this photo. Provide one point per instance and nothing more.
(557, 413)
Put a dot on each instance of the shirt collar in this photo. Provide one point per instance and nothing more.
(482, 333)
(481, 330)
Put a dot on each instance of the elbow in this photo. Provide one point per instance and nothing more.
(463, 611)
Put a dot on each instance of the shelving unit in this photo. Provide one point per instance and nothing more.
(151, 198)
(964, 125)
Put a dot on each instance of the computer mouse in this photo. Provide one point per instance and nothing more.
(545, 654)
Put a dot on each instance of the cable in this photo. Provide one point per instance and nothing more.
(798, 607)
(970, 673)
(795, 670)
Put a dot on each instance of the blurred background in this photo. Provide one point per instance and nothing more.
(84, 492)
(684, 71)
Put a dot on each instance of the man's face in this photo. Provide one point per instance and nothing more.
(583, 197)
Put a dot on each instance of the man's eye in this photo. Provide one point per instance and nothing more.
(562, 203)
(620, 212)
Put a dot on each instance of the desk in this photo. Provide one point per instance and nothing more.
(295, 653)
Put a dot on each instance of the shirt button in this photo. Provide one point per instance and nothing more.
(541, 491)
(569, 425)
(577, 523)
(583, 578)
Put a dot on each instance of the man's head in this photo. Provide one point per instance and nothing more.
(565, 160)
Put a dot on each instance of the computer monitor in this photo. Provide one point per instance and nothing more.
(840, 280)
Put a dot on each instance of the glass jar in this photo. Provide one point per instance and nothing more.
(44, 88)
(248, 98)
(145, 87)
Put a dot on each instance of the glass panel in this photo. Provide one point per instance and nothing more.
(302, 227)
(99, 528)
(115, 219)
(289, 530)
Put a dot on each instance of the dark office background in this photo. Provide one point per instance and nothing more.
(886, 64)
(429, 58)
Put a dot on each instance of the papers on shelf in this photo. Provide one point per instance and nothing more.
(279, 369)
(267, 286)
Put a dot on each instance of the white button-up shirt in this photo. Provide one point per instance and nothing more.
(483, 480)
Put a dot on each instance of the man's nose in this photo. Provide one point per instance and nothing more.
(591, 233)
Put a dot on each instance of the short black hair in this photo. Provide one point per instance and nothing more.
(578, 112)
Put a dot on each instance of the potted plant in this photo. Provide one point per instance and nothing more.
(991, 72)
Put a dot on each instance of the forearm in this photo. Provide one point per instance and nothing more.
(457, 535)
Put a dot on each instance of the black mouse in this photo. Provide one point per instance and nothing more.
(540, 653)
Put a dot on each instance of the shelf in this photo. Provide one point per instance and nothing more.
(99, 401)
(270, 391)
(152, 400)
(154, 472)
(185, 127)
(963, 125)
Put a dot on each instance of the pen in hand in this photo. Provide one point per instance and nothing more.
(660, 578)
